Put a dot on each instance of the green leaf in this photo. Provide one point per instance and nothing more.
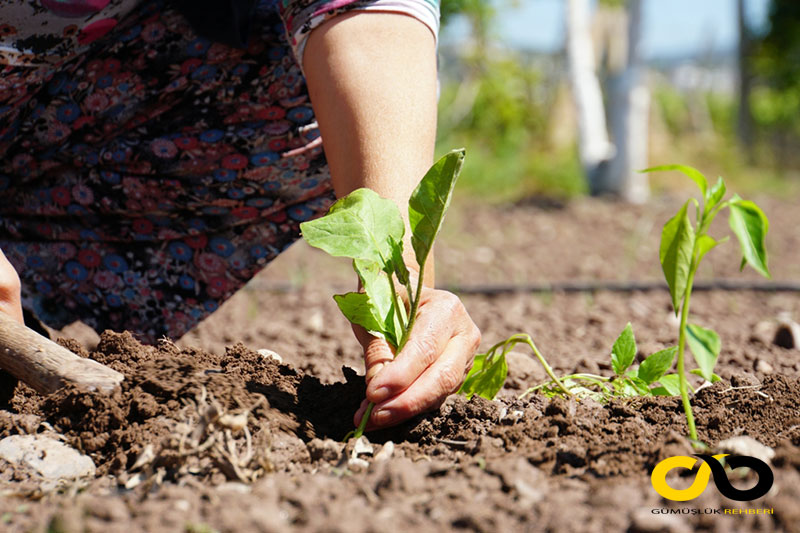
(656, 365)
(705, 244)
(750, 225)
(675, 254)
(640, 386)
(487, 376)
(698, 372)
(669, 386)
(429, 202)
(376, 285)
(623, 351)
(356, 307)
(690, 172)
(715, 194)
(398, 264)
(358, 226)
(705, 346)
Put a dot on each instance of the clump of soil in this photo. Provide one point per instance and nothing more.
(474, 464)
(166, 397)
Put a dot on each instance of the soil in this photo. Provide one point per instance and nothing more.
(209, 434)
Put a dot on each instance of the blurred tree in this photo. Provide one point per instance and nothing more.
(775, 99)
(745, 116)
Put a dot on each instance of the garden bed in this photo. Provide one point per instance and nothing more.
(171, 454)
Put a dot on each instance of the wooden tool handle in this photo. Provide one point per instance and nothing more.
(46, 366)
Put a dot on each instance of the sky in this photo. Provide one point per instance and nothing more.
(671, 27)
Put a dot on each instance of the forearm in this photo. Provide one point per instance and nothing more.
(372, 81)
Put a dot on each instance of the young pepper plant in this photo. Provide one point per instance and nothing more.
(489, 372)
(369, 230)
(683, 246)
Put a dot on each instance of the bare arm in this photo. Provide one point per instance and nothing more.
(372, 81)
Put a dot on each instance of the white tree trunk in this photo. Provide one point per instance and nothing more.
(630, 120)
(594, 146)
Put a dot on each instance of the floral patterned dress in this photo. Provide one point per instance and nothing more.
(147, 172)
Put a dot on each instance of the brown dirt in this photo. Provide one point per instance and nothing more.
(506, 465)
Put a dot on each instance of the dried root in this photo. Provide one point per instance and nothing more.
(207, 434)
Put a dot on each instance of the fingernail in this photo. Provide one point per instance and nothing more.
(380, 394)
(382, 417)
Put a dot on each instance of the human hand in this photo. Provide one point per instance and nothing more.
(432, 365)
(10, 290)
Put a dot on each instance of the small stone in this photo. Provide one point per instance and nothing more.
(52, 459)
(386, 452)
(763, 367)
(316, 321)
(269, 354)
(745, 445)
(763, 332)
(787, 334)
(362, 446)
(357, 464)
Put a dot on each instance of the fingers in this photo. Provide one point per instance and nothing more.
(430, 389)
(9, 290)
(430, 367)
(441, 317)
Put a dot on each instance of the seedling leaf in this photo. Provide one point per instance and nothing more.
(715, 194)
(429, 202)
(694, 174)
(705, 346)
(750, 225)
(640, 386)
(356, 307)
(359, 226)
(376, 285)
(675, 254)
(656, 365)
(623, 351)
(399, 266)
(669, 386)
(705, 243)
(487, 376)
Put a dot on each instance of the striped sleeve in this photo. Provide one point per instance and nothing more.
(300, 17)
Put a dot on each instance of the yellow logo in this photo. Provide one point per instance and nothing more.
(659, 477)
(711, 465)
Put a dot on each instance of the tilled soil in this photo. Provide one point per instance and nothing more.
(172, 451)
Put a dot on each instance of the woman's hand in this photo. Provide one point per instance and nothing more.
(433, 364)
(9, 290)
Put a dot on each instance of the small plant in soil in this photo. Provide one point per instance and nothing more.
(683, 246)
(369, 230)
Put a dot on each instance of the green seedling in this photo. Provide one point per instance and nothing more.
(683, 246)
(489, 372)
(369, 230)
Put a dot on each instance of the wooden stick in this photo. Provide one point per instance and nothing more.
(47, 366)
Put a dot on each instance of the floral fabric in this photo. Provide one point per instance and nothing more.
(145, 181)
(147, 175)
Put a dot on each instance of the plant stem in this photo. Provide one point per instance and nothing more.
(412, 312)
(412, 317)
(527, 339)
(687, 406)
(399, 306)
